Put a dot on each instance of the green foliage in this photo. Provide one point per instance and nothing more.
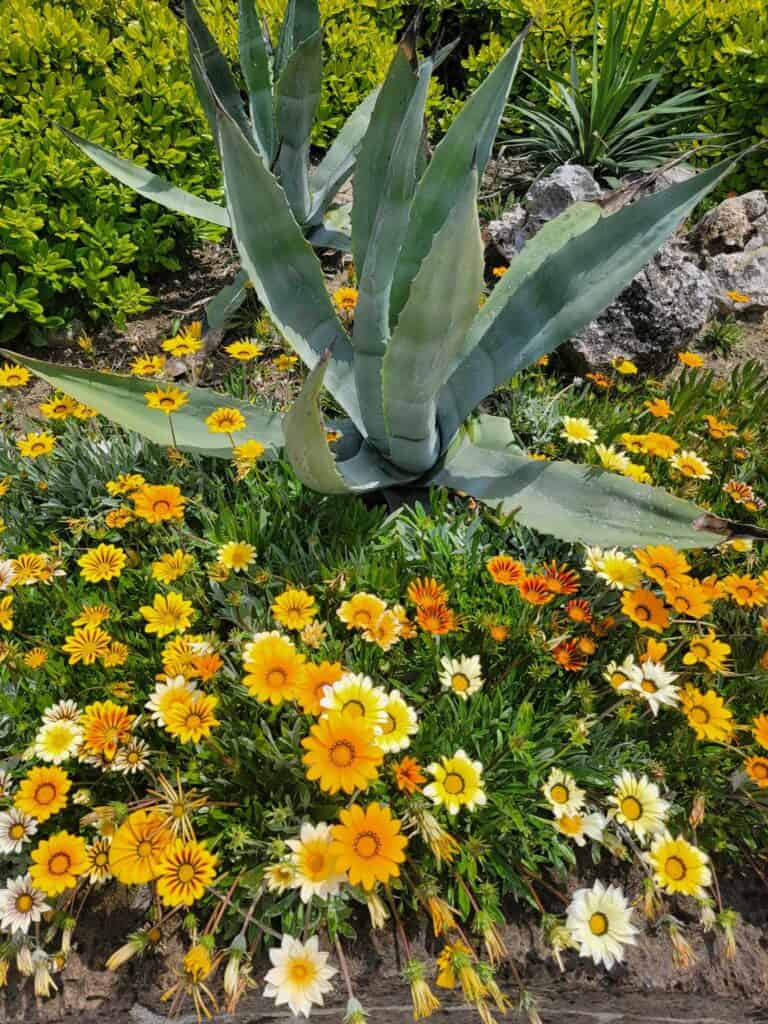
(723, 47)
(72, 242)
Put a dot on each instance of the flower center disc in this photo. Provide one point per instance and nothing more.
(559, 794)
(460, 682)
(454, 784)
(648, 686)
(186, 873)
(699, 715)
(631, 808)
(276, 677)
(367, 845)
(354, 707)
(45, 794)
(24, 903)
(342, 754)
(59, 864)
(598, 924)
(675, 868)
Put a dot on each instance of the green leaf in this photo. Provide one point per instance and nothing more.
(395, 183)
(308, 451)
(254, 61)
(292, 287)
(211, 74)
(301, 20)
(219, 310)
(469, 138)
(431, 332)
(297, 96)
(149, 185)
(575, 284)
(121, 400)
(576, 503)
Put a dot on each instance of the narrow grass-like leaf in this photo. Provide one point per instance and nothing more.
(149, 185)
(121, 399)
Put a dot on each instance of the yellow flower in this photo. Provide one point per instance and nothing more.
(707, 650)
(720, 429)
(244, 350)
(661, 445)
(126, 483)
(187, 341)
(345, 299)
(284, 362)
(86, 644)
(192, 720)
(707, 714)
(311, 689)
(499, 271)
(168, 399)
(148, 366)
(636, 472)
(660, 562)
(690, 359)
(691, 465)
(185, 872)
(458, 782)
(58, 408)
(97, 854)
(738, 297)
(36, 657)
(93, 615)
(361, 611)
(249, 451)
(620, 571)
(610, 459)
(33, 445)
(237, 555)
(294, 609)
(688, 597)
(104, 562)
(385, 631)
(368, 845)
(624, 366)
(578, 430)
(117, 518)
(660, 408)
(745, 590)
(58, 862)
(169, 613)
(157, 503)
(170, 567)
(43, 792)
(315, 872)
(105, 726)
(275, 669)
(400, 723)
(225, 421)
(644, 608)
(12, 376)
(6, 612)
(678, 866)
(342, 753)
(761, 730)
(757, 769)
(138, 847)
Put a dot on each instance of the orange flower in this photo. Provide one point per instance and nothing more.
(408, 775)
(427, 590)
(757, 769)
(105, 726)
(437, 619)
(535, 590)
(158, 503)
(660, 408)
(368, 845)
(644, 608)
(505, 570)
(568, 656)
(311, 689)
(498, 632)
(579, 610)
(560, 579)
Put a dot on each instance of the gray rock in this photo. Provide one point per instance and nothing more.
(744, 272)
(664, 308)
(548, 197)
(509, 234)
(731, 225)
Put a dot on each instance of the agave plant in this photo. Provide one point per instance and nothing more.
(283, 89)
(611, 123)
(423, 352)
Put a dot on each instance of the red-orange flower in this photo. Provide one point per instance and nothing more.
(408, 775)
(535, 590)
(426, 590)
(436, 618)
(505, 570)
(579, 610)
(568, 656)
(560, 579)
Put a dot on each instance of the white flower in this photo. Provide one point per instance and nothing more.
(580, 827)
(131, 758)
(21, 904)
(617, 675)
(654, 684)
(300, 975)
(5, 782)
(64, 711)
(637, 804)
(16, 828)
(165, 695)
(593, 559)
(600, 922)
(464, 676)
(355, 694)
(401, 722)
(315, 867)
(7, 575)
(562, 793)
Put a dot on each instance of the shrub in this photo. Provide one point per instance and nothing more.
(72, 240)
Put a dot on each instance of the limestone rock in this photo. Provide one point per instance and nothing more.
(548, 197)
(509, 233)
(743, 272)
(731, 225)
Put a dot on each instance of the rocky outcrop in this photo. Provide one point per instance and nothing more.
(719, 267)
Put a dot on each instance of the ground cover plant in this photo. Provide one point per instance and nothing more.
(294, 718)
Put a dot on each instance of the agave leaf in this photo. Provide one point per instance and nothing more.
(431, 332)
(292, 288)
(552, 237)
(307, 448)
(211, 74)
(231, 297)
(394, 182)
(297, 96)
(324, 237)
(568, 290)
(254, 61)
(576, 503)
(300, 21)
(470, 137)
(121, 399)
(149, 185)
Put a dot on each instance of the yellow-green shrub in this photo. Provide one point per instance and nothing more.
(72, 241)
(725, 48)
